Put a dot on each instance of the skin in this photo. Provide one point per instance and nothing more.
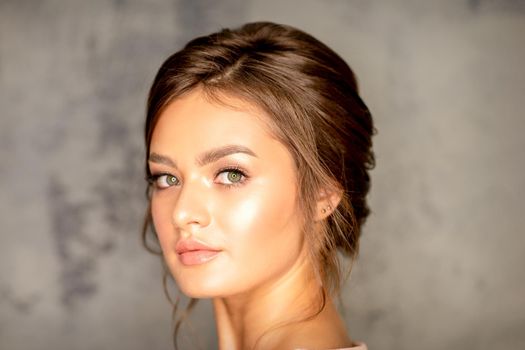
(262, 276)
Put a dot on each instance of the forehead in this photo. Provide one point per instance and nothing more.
(202, 122)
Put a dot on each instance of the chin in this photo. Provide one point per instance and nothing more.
(197, 293)
(200, 292)
(203, 287)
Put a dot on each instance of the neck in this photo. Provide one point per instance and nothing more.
(243, 319)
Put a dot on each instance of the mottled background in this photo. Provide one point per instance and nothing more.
(442, 254)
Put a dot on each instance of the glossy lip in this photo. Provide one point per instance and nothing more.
(191, 252)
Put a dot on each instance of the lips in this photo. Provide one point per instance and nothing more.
(191, 252)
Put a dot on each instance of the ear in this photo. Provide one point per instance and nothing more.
(327, 201)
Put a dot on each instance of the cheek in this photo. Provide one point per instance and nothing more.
(162, 221)
(259, 226)
(257, 212)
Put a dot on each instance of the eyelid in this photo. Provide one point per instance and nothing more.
(154, 178)
(233, 168)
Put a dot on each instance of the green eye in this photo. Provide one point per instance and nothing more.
(234, 176)
(171, 180)
(164, 180)
(229, 177)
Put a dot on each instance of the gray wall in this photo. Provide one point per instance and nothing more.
(442, 257)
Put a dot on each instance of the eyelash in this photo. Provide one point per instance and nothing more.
(153, 178)
(235, 169)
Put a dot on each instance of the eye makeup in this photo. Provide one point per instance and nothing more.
(163, 180)
(235, 176)
(228, 176)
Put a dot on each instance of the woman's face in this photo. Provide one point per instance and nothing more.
(224, 199)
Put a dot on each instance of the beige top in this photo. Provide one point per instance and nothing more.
(358, 346)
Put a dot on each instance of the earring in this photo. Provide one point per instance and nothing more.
(324, 210)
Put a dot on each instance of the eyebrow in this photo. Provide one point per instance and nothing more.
(159, 158)
(217, 153)
(206, 157)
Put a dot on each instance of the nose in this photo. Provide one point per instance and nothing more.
(190, 212)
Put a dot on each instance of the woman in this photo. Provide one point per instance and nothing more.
(258, 151)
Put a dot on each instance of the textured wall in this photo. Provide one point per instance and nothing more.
(442, 255)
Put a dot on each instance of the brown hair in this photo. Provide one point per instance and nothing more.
(311, 97)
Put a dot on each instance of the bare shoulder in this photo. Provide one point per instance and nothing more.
(313, 336)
